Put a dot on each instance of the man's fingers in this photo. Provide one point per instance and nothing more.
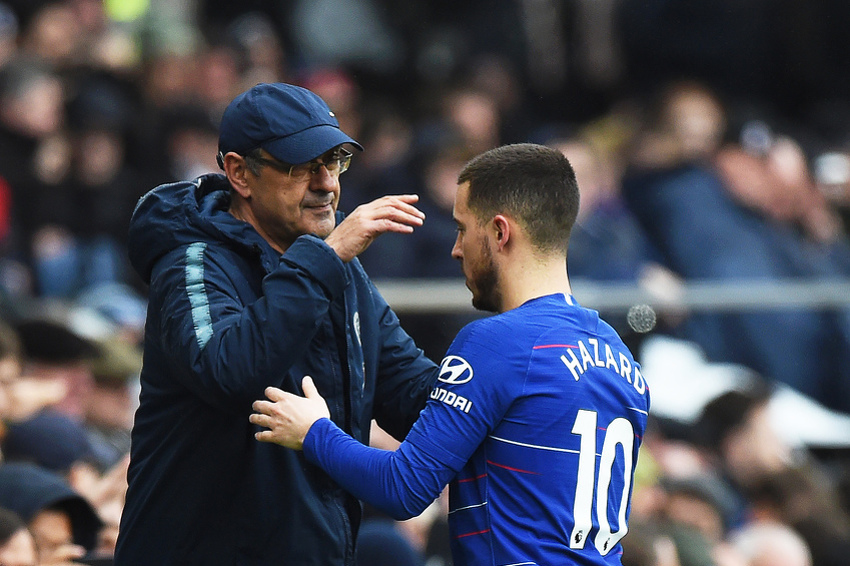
(394, 213)
(409, 197)
(264, 407)
(406, 200)
(391, 218)
(405, 217)
(393, 206)
(264, 436)
(309, 387)
(275, 394)
(261, 420)
(406, 207)
(386, 225)
(311, 393)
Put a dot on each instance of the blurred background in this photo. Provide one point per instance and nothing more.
(711, 142)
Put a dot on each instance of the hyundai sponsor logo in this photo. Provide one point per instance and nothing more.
(455, 370)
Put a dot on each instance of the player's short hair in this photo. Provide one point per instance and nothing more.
(533, 184)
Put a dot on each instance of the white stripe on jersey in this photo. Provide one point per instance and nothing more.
(552, 448)
(467, 507)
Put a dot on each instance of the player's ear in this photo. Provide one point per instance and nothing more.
(502, 229)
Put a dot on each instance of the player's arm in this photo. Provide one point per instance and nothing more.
(404, 482)
(401, 483)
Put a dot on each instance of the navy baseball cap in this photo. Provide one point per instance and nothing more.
(290, 122)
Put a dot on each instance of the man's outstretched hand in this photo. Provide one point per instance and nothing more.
(394, 213)
(289, 417)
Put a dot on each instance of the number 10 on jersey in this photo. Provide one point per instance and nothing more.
(619, 431)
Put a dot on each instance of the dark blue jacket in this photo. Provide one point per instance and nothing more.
(227, 317)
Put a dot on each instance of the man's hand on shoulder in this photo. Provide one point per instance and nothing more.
(393, 213)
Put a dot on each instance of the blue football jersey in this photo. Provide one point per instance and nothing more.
(535, 422)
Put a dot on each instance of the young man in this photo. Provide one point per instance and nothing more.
(538, 412)
(254, 283)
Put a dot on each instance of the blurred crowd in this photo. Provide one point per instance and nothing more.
(711, 141)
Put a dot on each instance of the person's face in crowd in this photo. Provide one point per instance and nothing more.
(754, 449)
(37, 113)
(441, 180)
(110, 405)
(286, 207)
(697, 121)
(74, 378)
(476, 116)
(54, 34)
(51, 530)
(99, 156)
(594, 174)
(19, 550)
(472, 248)
(694, 512)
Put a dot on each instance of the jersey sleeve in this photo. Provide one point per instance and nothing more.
(479, 379)
(473, 391)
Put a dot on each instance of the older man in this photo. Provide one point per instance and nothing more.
(253, 283)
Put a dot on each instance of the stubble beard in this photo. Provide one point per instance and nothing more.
(486, 282)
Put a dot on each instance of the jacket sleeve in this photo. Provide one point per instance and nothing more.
(405, 375)
(226, 349)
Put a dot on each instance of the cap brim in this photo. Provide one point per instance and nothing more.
(308, 144)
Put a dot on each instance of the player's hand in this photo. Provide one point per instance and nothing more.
(394, 213)
(289, 417)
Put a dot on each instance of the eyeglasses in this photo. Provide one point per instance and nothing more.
(336, 164)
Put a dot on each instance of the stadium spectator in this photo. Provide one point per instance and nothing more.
(772, 544)
(773, 481)
(84, 215)
(64, 525)
(32, 154)
(684, 205)
(607, 243)
(17, 546)
(59, 358)
(649, 546)
(52, 441)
